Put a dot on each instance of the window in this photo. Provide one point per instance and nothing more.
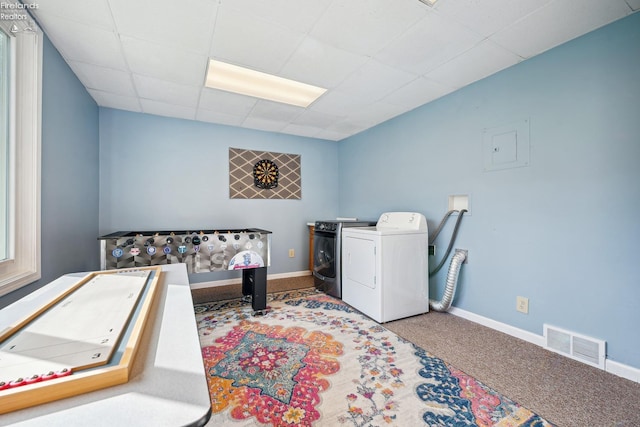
(4, 144)
(20, 118)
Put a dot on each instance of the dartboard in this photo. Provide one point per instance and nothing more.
(265, 174)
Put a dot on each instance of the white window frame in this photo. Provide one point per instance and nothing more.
(4, 145)
(22, 265)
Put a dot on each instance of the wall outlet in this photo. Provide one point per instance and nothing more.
(522, 305)
(432, 249)
(292, 253)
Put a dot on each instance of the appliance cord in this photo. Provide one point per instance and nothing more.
(451, 242)
(439, 229)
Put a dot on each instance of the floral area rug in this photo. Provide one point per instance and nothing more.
(314, 361)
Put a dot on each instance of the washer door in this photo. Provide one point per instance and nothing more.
(324, 254)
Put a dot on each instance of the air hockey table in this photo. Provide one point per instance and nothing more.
(202, 251)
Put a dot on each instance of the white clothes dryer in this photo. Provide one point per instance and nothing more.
(385, 270)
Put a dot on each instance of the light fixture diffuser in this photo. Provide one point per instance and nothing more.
(232, 78)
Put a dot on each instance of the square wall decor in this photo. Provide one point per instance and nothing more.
(263, 175)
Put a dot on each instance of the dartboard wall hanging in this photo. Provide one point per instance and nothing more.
(265, 174)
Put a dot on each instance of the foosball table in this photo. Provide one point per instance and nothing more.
(201, 250)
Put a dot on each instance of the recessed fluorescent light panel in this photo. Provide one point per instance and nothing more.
(232, 78)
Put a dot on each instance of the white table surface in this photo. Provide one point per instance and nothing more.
(167, 386)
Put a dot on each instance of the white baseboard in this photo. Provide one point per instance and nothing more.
(621, 370)
(211, 284)
(499, 326)
(615, 368)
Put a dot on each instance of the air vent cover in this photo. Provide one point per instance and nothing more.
(579, 347)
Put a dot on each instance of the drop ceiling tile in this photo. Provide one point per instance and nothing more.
(347, 127)
(433, 41)
(417, 93)
(182, 28)
(488, 16)
(375, 113)
(225, 102)
(338, 103)
(165, 91)
(162, 62)
(366, 26)
(94, 13)
(219, 118)
(558, 22)
(150, 106)
(297, 15)
(263, 124)
(71, 38)
(321, 64)
(316, 118)
(633, 4)
(252, 42)
(332, 135)
(300, 130)
(119, 102)
(104, 79)
(269, 110)
(374, 81)
(482, 61)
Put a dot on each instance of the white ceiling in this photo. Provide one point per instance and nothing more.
(377, 58)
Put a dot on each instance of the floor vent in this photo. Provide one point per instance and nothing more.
(579, 347)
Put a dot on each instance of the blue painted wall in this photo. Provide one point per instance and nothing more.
(563, 231)
(69, 221)
(158, 173)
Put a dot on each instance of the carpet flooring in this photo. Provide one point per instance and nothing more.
(563, 391)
